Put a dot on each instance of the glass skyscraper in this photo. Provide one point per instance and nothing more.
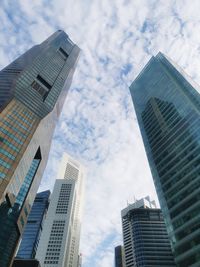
(146, 242)
(33, 89)
(119, 256)
(167, 106)
(34, 226)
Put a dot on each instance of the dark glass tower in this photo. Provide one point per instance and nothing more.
(168, 111)
(119, 256)
(146, 242)
(33, 228)
(26, 263)
(32, 92)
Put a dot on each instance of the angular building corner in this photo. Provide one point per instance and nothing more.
(167, 106)
(59, 242)
(33, 89)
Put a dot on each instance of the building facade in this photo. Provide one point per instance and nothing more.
(119, 256)
(167, 106)
(59, 243)
(146, 242)
(32, 92)
(34, 226)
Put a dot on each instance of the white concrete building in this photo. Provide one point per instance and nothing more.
(59, 243)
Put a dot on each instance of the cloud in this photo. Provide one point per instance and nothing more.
(98, 124)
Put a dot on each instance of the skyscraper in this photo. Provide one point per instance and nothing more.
(59, 243)
(32, 92)
(168, 111)
(119, 256)
(34, 226)
(146, 241)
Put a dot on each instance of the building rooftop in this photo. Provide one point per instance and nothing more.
(145, 203)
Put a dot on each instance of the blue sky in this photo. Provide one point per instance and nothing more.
(98, 124)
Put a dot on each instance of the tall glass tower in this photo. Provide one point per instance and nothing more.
(32, 92)
(119, 256)
(59, 242)
(34, 226)
(168, 111)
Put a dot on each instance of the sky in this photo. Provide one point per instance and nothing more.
(98, 125)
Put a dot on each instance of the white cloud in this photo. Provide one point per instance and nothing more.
(98, 124)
